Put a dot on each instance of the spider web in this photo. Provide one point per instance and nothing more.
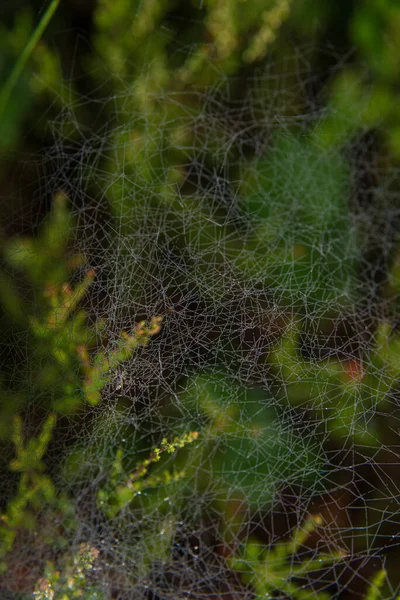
(268, 246)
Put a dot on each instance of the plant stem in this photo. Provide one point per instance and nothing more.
(15, 74)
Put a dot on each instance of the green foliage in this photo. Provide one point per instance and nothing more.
(9, 85)
(72, 580)
(279, 569)
(253, 447)
(11, 43)
(300, 239)
(24, 91)
(35, 493)
(236, 30)
(303, 234)
(41, 306)
(375, 28)
(122, 488)
(59, 335)
(125, 38)
(63, 375)
(343, 393)
(367, 98)
(283, 569)
(97, 374)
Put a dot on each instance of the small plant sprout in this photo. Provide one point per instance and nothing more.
(280, 568)
(122, 488)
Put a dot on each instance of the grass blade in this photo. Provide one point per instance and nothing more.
(15, 74)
